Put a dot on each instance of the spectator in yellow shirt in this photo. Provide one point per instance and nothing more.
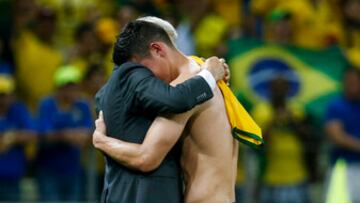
(285, 175)
(37, 58)
(86, 50)
(315, 23)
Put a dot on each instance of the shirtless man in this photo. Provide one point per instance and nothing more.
(209, 152)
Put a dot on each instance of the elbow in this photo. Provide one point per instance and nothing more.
(335, 139)
(181, 106)
(146, 164)
(339, 142)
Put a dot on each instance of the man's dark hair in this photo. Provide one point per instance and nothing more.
(135, 39)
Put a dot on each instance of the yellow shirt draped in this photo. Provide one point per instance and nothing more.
(244, 128)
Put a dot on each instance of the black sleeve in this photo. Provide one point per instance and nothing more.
(98, 104)
(154, 95)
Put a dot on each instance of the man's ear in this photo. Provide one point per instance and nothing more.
(157, 48)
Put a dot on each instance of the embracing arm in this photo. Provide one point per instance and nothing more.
(160, 138)
(154, 95)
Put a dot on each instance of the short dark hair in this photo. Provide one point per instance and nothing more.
(135, 39)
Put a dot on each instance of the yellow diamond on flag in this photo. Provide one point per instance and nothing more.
(258, 65)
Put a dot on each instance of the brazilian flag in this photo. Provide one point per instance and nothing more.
(314, 75)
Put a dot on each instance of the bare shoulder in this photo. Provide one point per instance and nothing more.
(192, 70)
(211, 107)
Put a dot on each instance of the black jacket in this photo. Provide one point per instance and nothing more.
(130, 100)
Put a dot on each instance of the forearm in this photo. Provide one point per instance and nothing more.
(54, 137)
(67, 135)
(125, 153)
(19, 136)
(24, 137)
(346, 141)
(341, 138)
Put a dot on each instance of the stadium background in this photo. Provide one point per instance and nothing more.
(46, 44)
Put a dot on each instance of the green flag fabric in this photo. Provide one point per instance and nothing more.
(314, 75)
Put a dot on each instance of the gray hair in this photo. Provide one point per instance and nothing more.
(169, 29)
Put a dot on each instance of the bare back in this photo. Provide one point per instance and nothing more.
(209, 154)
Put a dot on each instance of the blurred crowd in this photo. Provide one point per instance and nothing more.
(55, 55)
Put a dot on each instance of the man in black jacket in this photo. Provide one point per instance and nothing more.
(131, 100)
